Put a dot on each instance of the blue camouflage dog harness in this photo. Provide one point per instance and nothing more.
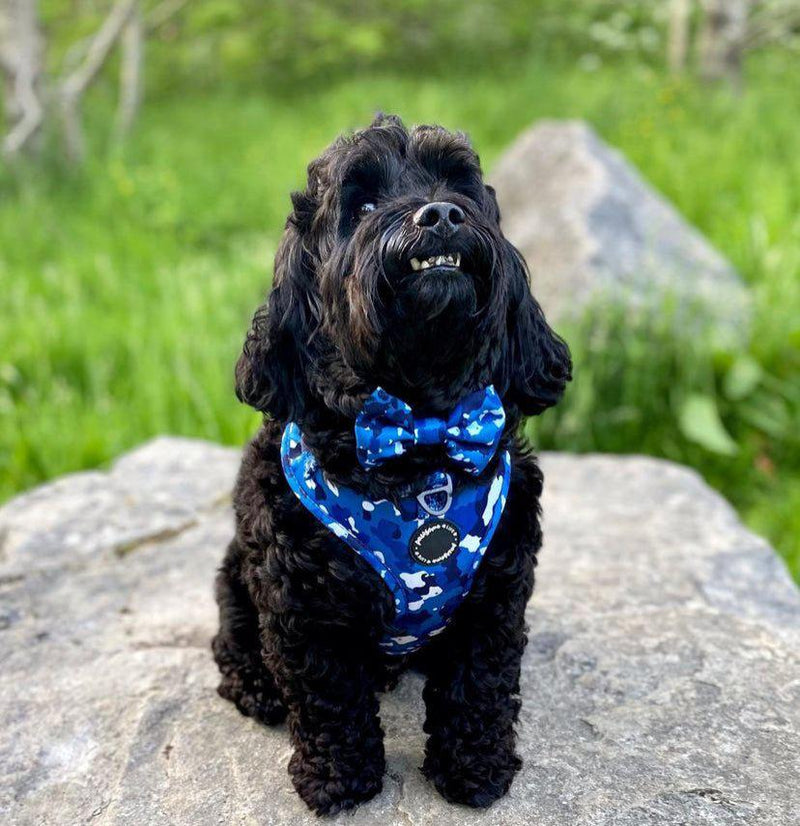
(426, 546)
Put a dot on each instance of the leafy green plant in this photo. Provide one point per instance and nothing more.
(700, 422)
(642, 385)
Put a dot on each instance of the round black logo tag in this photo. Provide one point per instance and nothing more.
(434, 541)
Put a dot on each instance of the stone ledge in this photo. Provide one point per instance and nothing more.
(661, 682)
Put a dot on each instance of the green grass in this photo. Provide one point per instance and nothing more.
(127, 287)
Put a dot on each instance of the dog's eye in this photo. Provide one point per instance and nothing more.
(365, 209)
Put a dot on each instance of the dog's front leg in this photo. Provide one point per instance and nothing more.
(338, 759)
(472, 702)
(472, 691)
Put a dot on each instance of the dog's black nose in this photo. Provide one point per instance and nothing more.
(440, 216)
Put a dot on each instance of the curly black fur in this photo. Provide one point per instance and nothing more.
(301, 615)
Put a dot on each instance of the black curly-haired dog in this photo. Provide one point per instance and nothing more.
(353, 308)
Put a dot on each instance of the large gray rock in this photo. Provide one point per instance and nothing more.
(592, 229)
(661, 683)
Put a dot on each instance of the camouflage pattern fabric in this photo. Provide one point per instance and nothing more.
(425, 545)
(386, 428)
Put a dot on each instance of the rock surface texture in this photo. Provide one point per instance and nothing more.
(661, 682)
(591, 228)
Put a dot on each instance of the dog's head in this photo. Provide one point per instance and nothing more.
(393, 271)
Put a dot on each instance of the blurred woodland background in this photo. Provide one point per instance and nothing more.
(149, 149)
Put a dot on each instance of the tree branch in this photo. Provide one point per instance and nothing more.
(22, 63)
(77, 82)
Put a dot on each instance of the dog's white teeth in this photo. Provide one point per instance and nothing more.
(449, 260)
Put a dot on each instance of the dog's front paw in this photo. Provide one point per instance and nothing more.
(475, 780)
(251, 689)
(328, 788)
(253, 696)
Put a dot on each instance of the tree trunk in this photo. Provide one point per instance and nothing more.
(722, 39)
(678, 35)
(130, 77)
(21, 48)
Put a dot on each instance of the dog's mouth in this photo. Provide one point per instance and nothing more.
(444, 261)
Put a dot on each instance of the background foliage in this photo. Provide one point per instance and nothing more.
(128, 284)
(225, 43)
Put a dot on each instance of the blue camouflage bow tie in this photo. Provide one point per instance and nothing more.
(386, 428)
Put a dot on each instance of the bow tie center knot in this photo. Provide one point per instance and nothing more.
(429, 430)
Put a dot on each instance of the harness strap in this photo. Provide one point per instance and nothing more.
(426, 548)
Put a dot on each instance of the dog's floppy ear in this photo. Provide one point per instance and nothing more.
(271, 373)
(535, 364)
(491, 203)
